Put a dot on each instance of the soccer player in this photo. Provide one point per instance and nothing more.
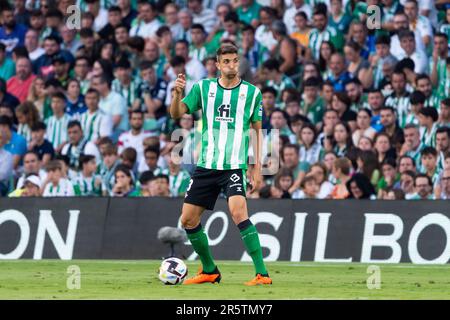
(230, 107)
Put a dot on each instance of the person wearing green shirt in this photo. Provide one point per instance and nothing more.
(199, 49)
(312, 104)
(438, 64)
(323, 32)
(231, 106)
(274, 78)
(7, 65)
(248, 12)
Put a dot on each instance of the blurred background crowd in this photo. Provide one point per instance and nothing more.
(360, 97)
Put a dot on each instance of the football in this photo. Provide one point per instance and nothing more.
(172, 271)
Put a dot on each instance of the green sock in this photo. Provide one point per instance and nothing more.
(251, 240)
(199, 242)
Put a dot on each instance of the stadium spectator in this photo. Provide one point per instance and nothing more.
(445, 186)
(31, 165)
(56, 184)
(38, 144)
(77, 145)
(360, 187)
(13, 142)
(423, 188)
(19, 84)
(124, 185)
(32, 186)
(341, 170)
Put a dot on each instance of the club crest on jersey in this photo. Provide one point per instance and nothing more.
(224, 113)
(242, 96)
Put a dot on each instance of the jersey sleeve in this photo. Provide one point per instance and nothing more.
(258, 109)
(193, 99)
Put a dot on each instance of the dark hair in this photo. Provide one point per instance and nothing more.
(58, 95)
(146, 176)
(354, 45)
(248, 27)
(269, 89)
(363, 183)
(177, 61)
(370, 162)
(197, 26)
(114, 9)
(446, 102)
(137, 43)
(21, 52)
(5, 120)
(405, 34)
(383, 39)
(38, 126)
(92, 90)
(74, 123)
(226, 49)
(154, 149)
(427, 151)
(422, 76)
(312, 127)
(311, 82)
(231, 16)
(322, 62)
(406, 157)
(163, 29)
(423, 175)
(85, 158)
(443, 130)
(125, 169)
(417, 97)
(430, 112)
(145, 64)
(271, 64)
(163, 176)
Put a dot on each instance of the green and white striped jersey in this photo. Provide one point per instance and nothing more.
(24, 130)
(57, 129)
(226, 118)
(401, 105)
(179, 183)
(87, 186)
(130, 94)
(441, 68)
(316, 38)
(428, 138)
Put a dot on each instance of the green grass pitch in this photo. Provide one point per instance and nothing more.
(120, 279)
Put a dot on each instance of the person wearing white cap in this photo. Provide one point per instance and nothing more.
(32, 186)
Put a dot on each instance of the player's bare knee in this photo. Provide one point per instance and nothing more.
(189, 222)
(238, 215)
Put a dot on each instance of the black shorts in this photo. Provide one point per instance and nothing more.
(206, 185)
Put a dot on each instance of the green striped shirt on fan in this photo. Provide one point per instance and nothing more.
(226, 118)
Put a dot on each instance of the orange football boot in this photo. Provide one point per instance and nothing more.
(258, 280)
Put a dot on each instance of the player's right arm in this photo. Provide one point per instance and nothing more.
(177, 107)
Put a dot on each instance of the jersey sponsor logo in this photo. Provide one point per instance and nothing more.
(234, 177)
(224, 113)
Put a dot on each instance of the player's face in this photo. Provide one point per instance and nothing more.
(228, 65)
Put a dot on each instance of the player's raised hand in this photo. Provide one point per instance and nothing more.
(180, 83)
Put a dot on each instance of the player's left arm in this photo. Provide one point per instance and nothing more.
(256, 173)
(256, 123)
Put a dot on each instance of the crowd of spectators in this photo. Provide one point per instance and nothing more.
(362, 106)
